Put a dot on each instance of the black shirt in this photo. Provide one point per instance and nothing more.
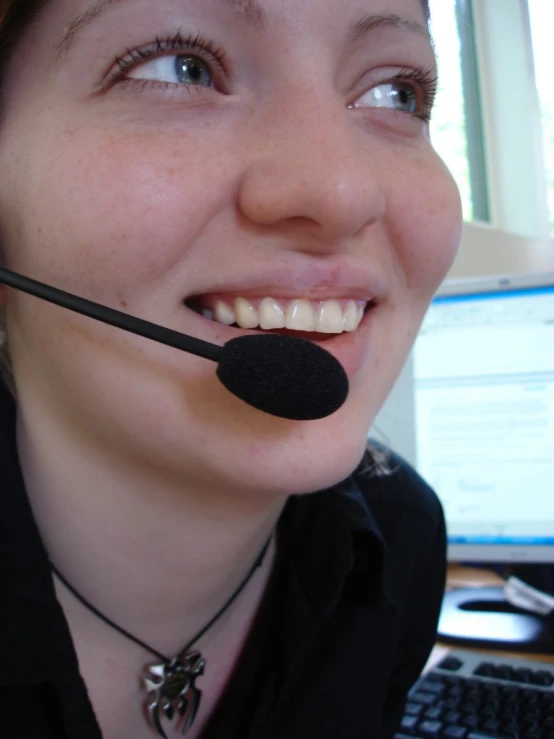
(345, 626)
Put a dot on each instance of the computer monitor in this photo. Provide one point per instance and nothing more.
(481, 377)
(483, 373)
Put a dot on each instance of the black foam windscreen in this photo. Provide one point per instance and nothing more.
(283, 375)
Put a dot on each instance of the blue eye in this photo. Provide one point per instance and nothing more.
(396, 95)
(191, 70)
(185, 69)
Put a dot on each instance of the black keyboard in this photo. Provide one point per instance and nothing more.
(481, 696)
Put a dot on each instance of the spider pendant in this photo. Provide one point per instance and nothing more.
(172, 690)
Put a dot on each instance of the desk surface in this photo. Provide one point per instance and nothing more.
(468, 577)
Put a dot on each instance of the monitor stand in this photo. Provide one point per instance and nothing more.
(483, 618)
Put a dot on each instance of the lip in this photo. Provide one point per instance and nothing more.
(308, 280)
(339, 277)
(349, 348)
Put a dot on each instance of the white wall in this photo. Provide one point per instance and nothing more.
(487, 251)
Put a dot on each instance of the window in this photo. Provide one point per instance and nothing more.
(456, 130)
(448, 125)
(494, 119)
(542, 22)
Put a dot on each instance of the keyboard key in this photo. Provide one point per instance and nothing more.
(454, 680)
(452, 703)
(454, 732)
(471, 721)
(434, 713)
(430, 728)
(481, 735)
(503, 672)
(414, 709)
(421, 697)
(543, 677)
(511, 691)
(435, 677)
(486, 669)
(508, 714)
(432, 687)
(451, 664)
(454, 691)
(523, 675)
(492, 690)
(489, 709)
(490, 725)
(409, 723)
(452, 717)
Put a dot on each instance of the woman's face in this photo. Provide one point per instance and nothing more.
(221, 149)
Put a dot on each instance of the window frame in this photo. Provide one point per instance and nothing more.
(512, 131)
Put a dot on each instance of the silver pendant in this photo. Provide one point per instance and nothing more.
(172, 690)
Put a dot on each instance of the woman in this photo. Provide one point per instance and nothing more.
(202, 164)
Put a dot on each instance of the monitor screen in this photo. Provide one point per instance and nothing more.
(483, 380)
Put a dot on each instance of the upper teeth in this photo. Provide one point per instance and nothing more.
(324, 316)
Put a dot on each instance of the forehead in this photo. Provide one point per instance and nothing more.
(77, 15)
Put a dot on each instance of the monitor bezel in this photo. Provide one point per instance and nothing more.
(455, 287)
(498, 283)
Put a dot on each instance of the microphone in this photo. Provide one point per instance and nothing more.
(285, 376)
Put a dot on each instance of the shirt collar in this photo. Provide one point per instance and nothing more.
(338, 549)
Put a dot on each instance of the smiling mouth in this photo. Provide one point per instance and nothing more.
(312, 319)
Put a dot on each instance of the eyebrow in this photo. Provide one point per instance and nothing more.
(249, 9)
(371, 22)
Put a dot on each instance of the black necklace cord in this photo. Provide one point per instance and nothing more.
(124, 632)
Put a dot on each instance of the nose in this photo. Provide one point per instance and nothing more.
(310, 164)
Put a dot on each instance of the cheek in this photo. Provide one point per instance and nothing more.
(114, 202)
(425, 222)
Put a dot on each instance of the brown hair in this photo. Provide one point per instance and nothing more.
(15, 17)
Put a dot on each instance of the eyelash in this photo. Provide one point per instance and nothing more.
(190, 43)
(425, 79)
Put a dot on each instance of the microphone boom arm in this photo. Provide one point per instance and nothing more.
(111, 316)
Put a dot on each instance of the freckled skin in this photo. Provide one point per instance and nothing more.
(134, 201)
(137, 198)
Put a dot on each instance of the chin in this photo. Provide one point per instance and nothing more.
(280, 458)
(301, 467)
